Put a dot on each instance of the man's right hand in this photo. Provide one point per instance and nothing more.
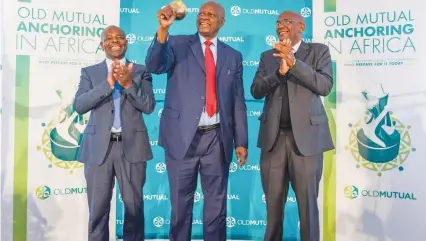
(110, 78)
(165, 17)
(283, 67)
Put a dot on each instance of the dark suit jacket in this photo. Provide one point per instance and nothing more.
(94, 95)
(182, 58)
(309, 79)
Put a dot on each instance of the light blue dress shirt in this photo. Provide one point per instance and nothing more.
(116, 95)
(205, 120)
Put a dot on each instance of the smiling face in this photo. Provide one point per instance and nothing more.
(114, 43)
(290, 25)
(210, 19)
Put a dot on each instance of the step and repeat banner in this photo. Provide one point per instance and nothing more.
(375, 189)
(249, 28)
(46, 43)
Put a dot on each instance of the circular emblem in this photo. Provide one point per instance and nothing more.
(381, 142)
(61, 138)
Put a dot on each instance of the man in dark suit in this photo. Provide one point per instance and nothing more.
(115, 141)
(203, 119)
(294, 130)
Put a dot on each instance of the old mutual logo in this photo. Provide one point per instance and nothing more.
(43, 192)
(351, 192)
(381, 142)
(62, 136)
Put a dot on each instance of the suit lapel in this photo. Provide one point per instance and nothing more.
(221, 57)
(198, 51)
(103, 75)
(302, 52)
(300, 55)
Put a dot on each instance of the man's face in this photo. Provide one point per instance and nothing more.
(209, 21)
(114, 43)
(289, 26)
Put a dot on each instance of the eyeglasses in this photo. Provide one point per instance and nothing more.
(285, 22)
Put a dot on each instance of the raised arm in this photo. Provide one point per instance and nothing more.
(160, 56)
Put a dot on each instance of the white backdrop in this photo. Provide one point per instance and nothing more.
(47, 43)
(379, 55)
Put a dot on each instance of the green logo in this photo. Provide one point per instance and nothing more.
(381, 142)
(62, 137)
(351, 192)
(43, 192)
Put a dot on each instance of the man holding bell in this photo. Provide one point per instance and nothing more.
(204, 117)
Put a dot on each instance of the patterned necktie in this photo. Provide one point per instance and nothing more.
(211, 99)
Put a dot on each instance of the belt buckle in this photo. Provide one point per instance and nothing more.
(115, 136)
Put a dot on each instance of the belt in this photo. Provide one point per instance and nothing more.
(208, 128)
(115, 136)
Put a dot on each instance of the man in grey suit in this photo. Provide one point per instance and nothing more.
(115, 141)
(294, 130)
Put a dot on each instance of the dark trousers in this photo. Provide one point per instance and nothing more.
(280, 166)
(205, 155)
(100, 183)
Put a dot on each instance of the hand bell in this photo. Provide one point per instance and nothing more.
(179, 9)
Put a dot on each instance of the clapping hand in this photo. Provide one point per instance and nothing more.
(123, 74)
(285, 52)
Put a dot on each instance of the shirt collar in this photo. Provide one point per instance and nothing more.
(214, 40)
(109, 62)
(296, 46)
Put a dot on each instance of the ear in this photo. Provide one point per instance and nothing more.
(302, 27)
(102, 46)
(222, 22)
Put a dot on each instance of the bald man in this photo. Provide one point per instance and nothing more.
(203, 120)
(115, 142)
(294, 130)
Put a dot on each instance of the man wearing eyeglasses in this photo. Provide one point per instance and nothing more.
(294, 130)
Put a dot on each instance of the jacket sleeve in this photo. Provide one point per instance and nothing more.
(88, 96)
(318, 80)
(160, 56)
(263, 83)
(142, 96)
(240, 109)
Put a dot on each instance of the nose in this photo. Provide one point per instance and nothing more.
(204, 18)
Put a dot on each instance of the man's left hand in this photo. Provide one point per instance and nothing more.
(123, 74)
(285, 52)
(241, 153)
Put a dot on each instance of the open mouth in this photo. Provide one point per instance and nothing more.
(115, 47)
(284, 32)
(204, 24)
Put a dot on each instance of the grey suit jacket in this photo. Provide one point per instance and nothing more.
(94, 95)
(309, 79)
